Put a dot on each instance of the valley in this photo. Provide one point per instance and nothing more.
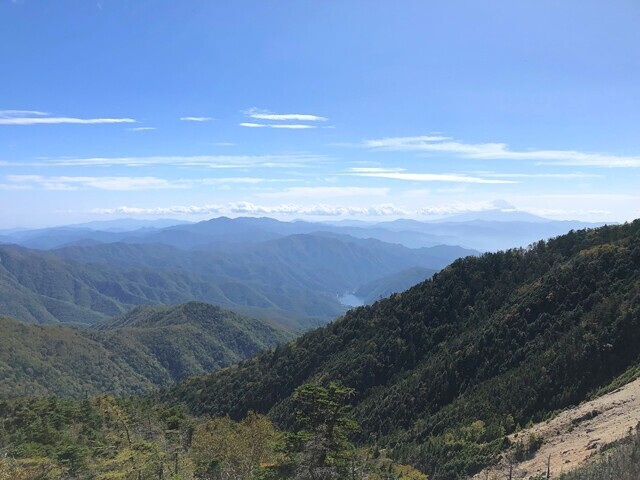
(292, 279)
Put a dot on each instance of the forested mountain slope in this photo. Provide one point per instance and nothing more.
(145, 348)
(42, 287)
(294, 280)
(445, 369)
(398, 282)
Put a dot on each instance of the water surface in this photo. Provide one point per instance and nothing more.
(350, 300)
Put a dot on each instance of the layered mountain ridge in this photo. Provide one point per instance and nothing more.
(293, 280)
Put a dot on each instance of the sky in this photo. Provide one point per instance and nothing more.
(322, 110)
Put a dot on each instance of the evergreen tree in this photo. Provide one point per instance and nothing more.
(321, 447)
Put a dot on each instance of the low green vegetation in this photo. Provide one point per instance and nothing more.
(108, 438)
(134, 353)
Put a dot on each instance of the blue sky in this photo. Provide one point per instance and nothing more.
(320, 110)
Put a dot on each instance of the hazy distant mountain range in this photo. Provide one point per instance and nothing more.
(486, 231)
(290, 272)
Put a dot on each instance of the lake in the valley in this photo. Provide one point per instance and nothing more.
(350, 300)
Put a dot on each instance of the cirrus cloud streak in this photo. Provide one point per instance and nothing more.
(210, 161)
(196, 119)
(425, 177)
(500, 151)
(101, 183)
(293, 126)
(32, 117)
(114, 183)
(258, 114)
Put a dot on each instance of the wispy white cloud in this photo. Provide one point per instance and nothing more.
(101, 183)
(122, 183)
(365, 170)
(225, 144)
(248, 208)
(564, 213)
(196, 119)
(294, 126)
(477, 177)
(31, 117)
(429, 208)
(589, 196)
(209, 161)
(21, 113)
(327, 192)
(172, 210)
(481, 206)
(416, 194)
(241, 180)
(142, 129)
(258, 114)
(329, 210)
(541, 175)
(433, 210)
(429, 177)
(500, 151)
(452, 208)
(603, 203)
(14, 186)
(302, 121)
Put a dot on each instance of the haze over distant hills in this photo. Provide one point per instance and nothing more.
(129, 224)
(294, 280)
(290, 272)
(487, 230)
